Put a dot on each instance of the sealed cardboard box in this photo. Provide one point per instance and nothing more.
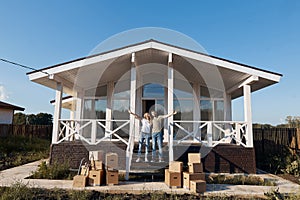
(95, 177)
(187, 177)
(173, 179)
(198, 186)
(112, 177)
(79, 181)
(98, 165)
(195, 167)
(194, 158)
(175, 166)
(111, 161)
(96, 155)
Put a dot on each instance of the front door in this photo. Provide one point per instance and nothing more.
(148, 105)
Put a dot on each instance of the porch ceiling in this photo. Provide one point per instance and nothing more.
(115, 65)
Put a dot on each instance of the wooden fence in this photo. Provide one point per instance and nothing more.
(275, 138)
(39, 131)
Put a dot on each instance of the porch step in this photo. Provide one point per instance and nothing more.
(149, 167)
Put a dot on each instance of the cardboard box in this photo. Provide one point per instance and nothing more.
(195, 167)
(173, 179)
(95, 177)
(187, 177)
(111, 161)
(175, 166)
(79, 181)
(198, 186)
(98, 165)
(97, 155)
(112, 177)
(194, 157)
(84, 171)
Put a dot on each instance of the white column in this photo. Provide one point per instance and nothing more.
(79, 111)
(170, 104)
(132, 94)
(166, 125)
(79, 103)
(130, 145)
(227, 112)
(138, 109)
(227, 107)
(109, 107)
(196, 111)
(71, 123)
(248, 115)
(57, 112)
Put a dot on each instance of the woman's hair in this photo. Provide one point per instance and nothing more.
(147, 116)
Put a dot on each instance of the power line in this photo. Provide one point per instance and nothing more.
(23, 66)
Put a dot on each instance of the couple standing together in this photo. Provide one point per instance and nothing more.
(151, 126)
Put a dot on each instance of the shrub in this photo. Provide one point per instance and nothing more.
(238, 180)
(54, 171)
(17, 191)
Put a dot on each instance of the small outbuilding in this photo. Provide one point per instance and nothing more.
(7, 112)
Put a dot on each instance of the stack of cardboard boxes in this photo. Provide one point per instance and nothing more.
(112, 174)
(173, 175)
(92, 173)
(194, 179)
(96, 174)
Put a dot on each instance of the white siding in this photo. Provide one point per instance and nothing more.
(6, 116)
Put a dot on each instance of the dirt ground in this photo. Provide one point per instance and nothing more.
(290, 178)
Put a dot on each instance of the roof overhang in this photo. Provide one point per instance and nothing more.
(233, 74)
(8, 106)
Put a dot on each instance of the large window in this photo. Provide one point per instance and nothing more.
(211, 105)
(121, 100)
(95, 101)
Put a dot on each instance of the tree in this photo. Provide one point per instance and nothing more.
(19, 118)
(293, 122)
(38, 119)
(44, 119)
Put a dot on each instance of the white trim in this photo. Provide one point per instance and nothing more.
(158, 46)
(57, 112)
(170, 105)
(248, 115)
(109, 107)
(247, 81)
(215, 61)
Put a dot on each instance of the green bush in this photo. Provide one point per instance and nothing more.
(293, 167)
(19, 150)
(54, 171)
(238, 180)
(16, 191)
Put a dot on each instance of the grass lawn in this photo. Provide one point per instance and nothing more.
(19, 150)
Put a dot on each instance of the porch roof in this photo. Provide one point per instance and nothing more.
(151, 51)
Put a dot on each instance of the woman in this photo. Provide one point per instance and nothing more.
(145, 134)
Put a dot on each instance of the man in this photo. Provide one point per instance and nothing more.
(157, 125)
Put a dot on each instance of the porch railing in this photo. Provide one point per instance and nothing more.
(209, 133)
(88, 130)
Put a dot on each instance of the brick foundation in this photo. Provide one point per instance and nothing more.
(222, 158)
(74, 151)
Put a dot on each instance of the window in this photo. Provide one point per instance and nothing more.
(95, 103)
(121, 99)
(153, 90)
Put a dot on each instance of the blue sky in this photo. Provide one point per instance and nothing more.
(261, 33)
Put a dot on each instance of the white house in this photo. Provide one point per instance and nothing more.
(7, 112)
(153, 75)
